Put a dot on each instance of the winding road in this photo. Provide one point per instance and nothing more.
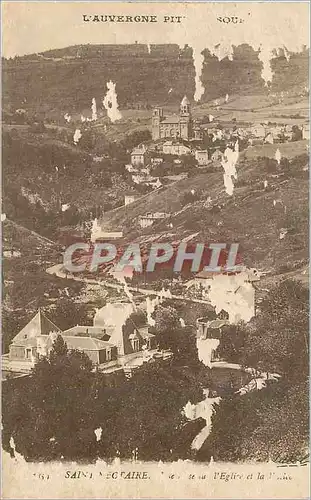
(57, 270)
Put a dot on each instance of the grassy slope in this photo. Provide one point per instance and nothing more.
(33, 166)
(248, 217)
(56, 86)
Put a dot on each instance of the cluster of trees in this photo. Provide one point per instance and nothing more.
(190, 197)
(276, 340)
(180, 340)
(54, 414)
(56, 170)
(188, 164)
(271, 423)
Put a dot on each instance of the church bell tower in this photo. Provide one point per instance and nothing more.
(185, 107)
(185, 119)
(157, 116)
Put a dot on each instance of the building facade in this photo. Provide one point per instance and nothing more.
(138, 156)
(202, 156)
(174, 126)
(111, 343)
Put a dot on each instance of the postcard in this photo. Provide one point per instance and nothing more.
(155, 220)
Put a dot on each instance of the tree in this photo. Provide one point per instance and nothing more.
(232, 342)
(271, 423)
(148, 419)
(268, 424)
(68, 313)
(137, 137)
(56, 407)
(278, 339)
(171, 335)
(297, 133)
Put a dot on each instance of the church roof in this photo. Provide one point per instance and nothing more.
(39, 325)
(171, 119)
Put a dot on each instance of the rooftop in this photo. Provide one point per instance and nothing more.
(171, 119)
(38, 325)
(85, 331)
(73, 342)
(139, 150)
(185, 101)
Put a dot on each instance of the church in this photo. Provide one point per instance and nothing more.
(173, 126)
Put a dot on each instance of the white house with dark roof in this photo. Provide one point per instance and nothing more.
(108, 343)
(175, 148)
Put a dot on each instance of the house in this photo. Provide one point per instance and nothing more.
(37, 337)
(149, 219)
(276, 131)
(29, 350)
(155, 183)
(201, 155)
(130, 168)
(138, 156)
(218, 135)
(97, 332)
(130, 198)
(156, 161)
(142, 178)
(173, 126)
(112, 318)
(112, 343)
(38, 325)
(210, 128)
(216, 155)
(175, 148)
(197, 133)
(98, 233)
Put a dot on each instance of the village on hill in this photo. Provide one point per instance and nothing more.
(156, 365)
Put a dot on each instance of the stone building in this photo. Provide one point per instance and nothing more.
(173, 126)
(138, 155)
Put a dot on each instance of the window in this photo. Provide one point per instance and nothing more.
(135, 344)
(28, 353)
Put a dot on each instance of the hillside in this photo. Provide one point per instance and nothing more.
(50, 183)
(254, 216)
(53, 186)
(65, 80)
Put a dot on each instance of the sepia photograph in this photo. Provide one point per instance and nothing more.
(155, 258)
